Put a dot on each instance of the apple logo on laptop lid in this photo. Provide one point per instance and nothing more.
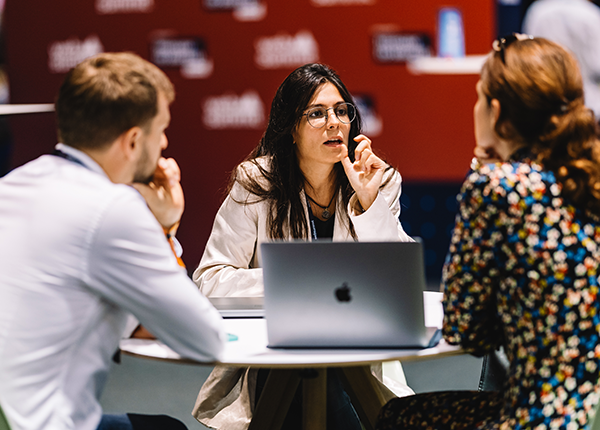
(342, 294)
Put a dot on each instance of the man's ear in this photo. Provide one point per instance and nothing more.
(131, 142)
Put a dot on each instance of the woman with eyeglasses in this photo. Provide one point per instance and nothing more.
(522, 272)
(313, 176)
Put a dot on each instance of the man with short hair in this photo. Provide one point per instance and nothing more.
(81, 250)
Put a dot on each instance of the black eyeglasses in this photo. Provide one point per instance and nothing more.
(501, 44)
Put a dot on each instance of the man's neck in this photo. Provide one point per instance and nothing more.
(111, 161)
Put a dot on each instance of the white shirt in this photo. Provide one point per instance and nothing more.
(575, 24)
(78, 254)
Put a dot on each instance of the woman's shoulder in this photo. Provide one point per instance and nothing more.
(251, 177)
(254, 166)
(511, 174)
(498, 180)
(253, 169)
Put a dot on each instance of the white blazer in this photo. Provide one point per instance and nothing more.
(231, 264)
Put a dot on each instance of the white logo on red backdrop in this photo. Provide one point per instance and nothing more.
(249, 12)
(198, 68)
(187, 53)
(64, 55)
(341, 2)
(283, 50)
(400, 47)
(226, 4)
(124, 6)
(243, 10)
(234, 112)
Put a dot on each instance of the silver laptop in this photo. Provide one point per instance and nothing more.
(239, 307)
(345, 295)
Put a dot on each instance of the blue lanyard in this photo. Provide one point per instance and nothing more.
(59, 153)
(313, 227)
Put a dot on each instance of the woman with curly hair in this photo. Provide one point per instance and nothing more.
(522, 272)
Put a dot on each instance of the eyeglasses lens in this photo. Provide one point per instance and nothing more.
(317, 117)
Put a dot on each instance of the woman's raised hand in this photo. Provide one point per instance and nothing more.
(366, 173)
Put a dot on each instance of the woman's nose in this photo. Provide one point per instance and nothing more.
(332, 119)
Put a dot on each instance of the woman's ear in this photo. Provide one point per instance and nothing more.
(495, 107)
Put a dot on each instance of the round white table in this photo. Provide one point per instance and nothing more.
(288, 370)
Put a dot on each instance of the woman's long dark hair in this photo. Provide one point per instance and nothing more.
(282, 181)
(540, 90)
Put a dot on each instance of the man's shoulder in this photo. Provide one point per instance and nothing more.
(66, 183)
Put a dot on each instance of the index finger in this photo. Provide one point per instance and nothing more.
(363, 143)
(361, 139)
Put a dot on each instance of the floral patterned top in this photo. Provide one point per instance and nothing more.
(523, 273)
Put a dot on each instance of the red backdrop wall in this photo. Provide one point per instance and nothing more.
(427, 126)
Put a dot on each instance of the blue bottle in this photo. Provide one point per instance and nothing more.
(451, 37)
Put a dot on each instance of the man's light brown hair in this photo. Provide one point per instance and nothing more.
(106, 95)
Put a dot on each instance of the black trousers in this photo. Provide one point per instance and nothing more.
(341, 415)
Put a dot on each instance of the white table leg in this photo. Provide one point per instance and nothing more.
(314, 401)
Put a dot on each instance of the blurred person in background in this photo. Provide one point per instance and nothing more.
(575, 24)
